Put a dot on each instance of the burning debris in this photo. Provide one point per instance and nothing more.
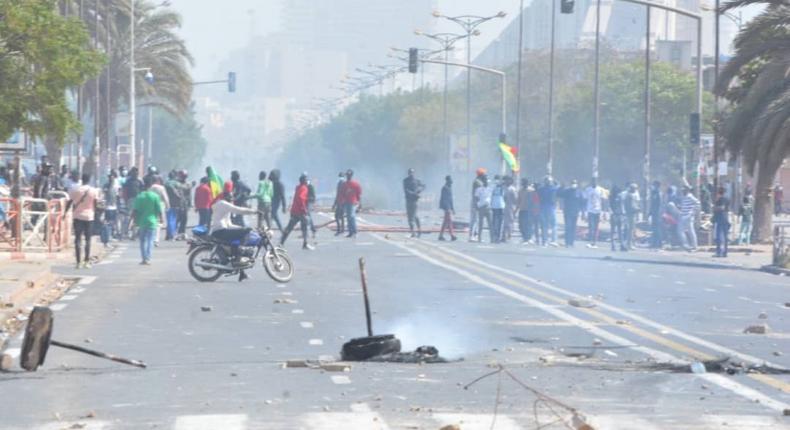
(383, 348)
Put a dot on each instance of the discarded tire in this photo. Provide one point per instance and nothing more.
(36, 340)
(365, 348)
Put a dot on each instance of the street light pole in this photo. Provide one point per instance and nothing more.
(646, 165)
(550, 160)
(518, 76)
(597, 92)
(132, 90)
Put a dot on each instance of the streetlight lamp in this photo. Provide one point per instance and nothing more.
(447, 42)
(469, 24)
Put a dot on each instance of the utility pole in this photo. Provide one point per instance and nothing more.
(518, 77)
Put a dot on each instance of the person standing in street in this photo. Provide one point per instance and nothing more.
(160, 190)
(594, 195)
(82, 199)
(689, 208)
(656, 211)
(184, 190)
(203, 202)
(352, 200)
(548, 211)
(523, 211)
(264, 195)
(721, 221)
(278, 197)
(446, 205)
(497, 209)
(746, 213)
(617, 217)
(299, 213)
(571, 207)
(779, 196)
(511, 208)
(474, 230)
(111, 191)
(483, 199)
(311, 200)
(412, 188)
(241, 193)
(632, 203)
(147, 209)
(337, 206)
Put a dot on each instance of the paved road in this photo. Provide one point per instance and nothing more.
(481, 305)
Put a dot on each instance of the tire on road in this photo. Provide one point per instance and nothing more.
(36, 340)
(365, 348)
(200, 253)
(278, 265)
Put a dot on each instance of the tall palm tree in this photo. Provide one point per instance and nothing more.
(157, 46)
(755, 81)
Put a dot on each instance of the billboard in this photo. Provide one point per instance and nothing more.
(17, 142)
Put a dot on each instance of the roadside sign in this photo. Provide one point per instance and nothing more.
(16, 143)
(123, 124)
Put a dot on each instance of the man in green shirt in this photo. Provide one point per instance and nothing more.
(147, 215)
(264, 195)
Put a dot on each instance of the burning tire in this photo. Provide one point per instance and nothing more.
(365, 348)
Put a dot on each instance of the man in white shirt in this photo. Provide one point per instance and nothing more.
(161, 191)
(483, 196)
(594, 196)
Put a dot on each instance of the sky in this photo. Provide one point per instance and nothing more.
(212, 29)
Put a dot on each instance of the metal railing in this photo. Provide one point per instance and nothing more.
(35, 225)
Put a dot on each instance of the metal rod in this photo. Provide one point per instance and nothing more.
(716, 101)
(363, 275)
(444, 111)
(135, 363)
(469, 102)
(132, 91)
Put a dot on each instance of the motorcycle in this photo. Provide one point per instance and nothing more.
(211, 258)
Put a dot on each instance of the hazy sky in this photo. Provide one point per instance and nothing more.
(213, 28)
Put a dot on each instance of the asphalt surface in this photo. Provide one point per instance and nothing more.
(483, 306)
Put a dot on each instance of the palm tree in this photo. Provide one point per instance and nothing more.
(755, 82)
(157, 46)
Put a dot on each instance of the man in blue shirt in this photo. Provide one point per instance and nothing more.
(548, 208)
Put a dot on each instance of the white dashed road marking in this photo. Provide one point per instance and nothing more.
(316, 342)
(211, 422)
(306, 324)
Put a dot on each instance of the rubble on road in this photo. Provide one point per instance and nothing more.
(423, 354)
(756, 329)
(582, 302)
(327, 366)
(206, 308)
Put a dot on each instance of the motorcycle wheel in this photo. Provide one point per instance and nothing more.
(278, 265)
(203, 275)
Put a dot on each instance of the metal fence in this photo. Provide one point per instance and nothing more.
(34, 225)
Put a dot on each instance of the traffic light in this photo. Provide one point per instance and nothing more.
(566, 6)
(694, 129)
(414, 60)
(232, 82)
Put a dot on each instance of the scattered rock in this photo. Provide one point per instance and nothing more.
(88, 340)
(90, 414)
(756, 329)
(763, 316)
(336, 367)
(623, 322)
(786, 412)
(451, 427)
(777, 353)
(206, 308)
(295, 364)
(285, 301)
(327, 408)
(581, 303)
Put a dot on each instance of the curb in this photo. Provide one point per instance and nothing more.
(33, 256)
(776, 270)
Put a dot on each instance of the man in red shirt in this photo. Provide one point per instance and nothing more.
(352, 195)
(298, 213)
(203, 202)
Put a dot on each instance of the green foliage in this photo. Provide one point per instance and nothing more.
(42, 56)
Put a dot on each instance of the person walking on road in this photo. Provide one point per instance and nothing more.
(82, 199)
(523, 211)
(264, 194)
(352, 198)
(278, 197)
(203, 202)
(112, 190)
(241, 193)
(721, 221)
(160, 190)
(632, 203)
(746, 213)
(412, 188)
(594, 195)
(689, 208)
(337, 206)
(311, 199)
(147, 209)
(483, 199)
(299, 213)
(571, 207)
(446, 205)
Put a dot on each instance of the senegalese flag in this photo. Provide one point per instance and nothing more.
(214, 181)
(509, 155)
